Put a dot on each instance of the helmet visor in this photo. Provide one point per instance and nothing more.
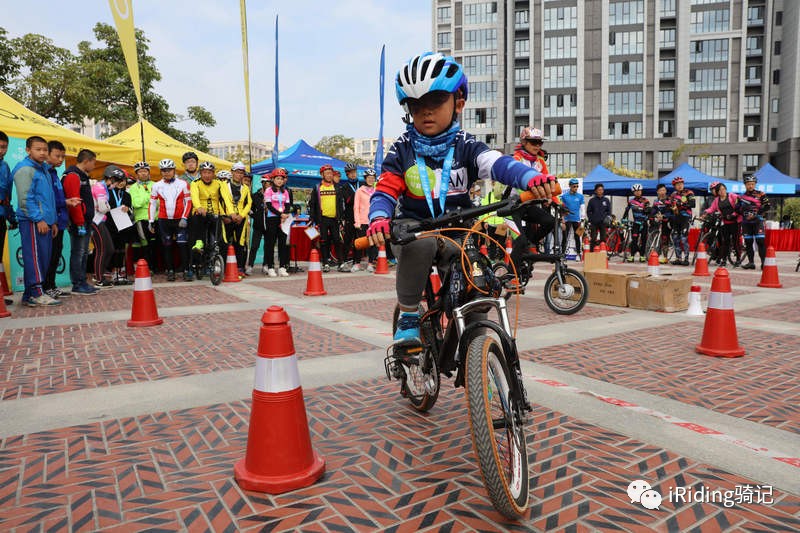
(432, 100)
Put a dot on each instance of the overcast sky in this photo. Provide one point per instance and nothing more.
(329, 57)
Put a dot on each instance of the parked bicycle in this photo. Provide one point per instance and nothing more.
(210, 261)
(661, 241)
(458, 336)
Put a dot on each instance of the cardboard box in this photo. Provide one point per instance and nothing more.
(595, 261)
(668, 293)
(608, 287)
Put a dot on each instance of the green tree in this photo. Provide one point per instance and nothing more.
(340, 147)
(8, 64)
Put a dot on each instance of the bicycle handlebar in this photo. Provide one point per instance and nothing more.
(408, 232)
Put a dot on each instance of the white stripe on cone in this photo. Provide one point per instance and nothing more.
(382, 253)
(720, 300)
(230, 259)
(143, 284)
(277, 374)
(314, 267)
(770, 262)
(702, 255)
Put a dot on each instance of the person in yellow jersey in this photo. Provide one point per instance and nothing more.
(324, 212)
(237, 229)
(207, 202)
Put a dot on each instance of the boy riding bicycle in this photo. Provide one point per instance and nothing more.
(429, 170)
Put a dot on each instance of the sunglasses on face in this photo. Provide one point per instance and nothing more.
(431, 100)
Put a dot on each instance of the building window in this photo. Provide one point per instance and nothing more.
(443, 15)
(776, 76)
(708, 79)
(708, 108)
(752, 76)
(628, 12)
(666, 38)
(522, 47)
(713, 165)
(625, 72)
(667, 8)
(777, 48)
(710, 21)
(522, 103)
(485, 65)
(562, 163)
(482, 91)
(625, 42)
(750, 162)
(752, 104)
(443, 40)
(522, 76)
(775, 105)
(521, 20)
(707, 134)
(626, 103)
(753, 45)
(666, 128)
(565, 47)
(485, 12)
(625, 130)
(483, 117)
(778, 18)
(480, 39)
(560, 76)
(561, 18)
(666, 100)
(752, 132)
(561, 132)
(706, 51)
(755, 15)
(666, 69)
(560, 105)
(773, 134)
(629, 160)
(665, 160)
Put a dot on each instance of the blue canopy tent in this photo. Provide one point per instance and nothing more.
(614, 184)
(775, 183)
(697, 181)
(302, 162)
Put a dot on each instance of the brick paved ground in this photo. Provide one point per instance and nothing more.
(62, 358)
(346, 284)
(784, 313)
(763, 386)
(388, 468)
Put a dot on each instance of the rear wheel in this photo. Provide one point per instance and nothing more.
(497, 434)
(612, 243)
(421, 383)
(567, 298)
(217, 270)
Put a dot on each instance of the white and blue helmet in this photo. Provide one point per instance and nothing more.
(427, 73)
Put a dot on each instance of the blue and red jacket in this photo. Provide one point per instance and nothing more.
(753, 205)
(399, 183)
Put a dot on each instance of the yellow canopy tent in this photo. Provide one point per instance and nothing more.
(18, 121)
(158, 145)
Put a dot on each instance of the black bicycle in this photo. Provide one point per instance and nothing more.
(457, 336)
(565, 289)
(210, 261)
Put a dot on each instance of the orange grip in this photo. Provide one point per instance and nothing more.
(524, 196)
(362, 243)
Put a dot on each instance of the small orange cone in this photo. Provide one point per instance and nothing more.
(769, 276)
(586, 247)
(653, 268)
(382, 266)
(231, 267)
(4, 288)
(701, 264)
(279, 455)
(509, 248)
(143, 312)
(314, 286)
(436, 281)
(720, 338)
(484, 251)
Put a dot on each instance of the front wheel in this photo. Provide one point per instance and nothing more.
(497, 435)
(569, 297)
(217, 270)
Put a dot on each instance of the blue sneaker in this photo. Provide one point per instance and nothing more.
(83, 289)
(407, 328)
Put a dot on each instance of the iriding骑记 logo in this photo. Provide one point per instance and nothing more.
(640, 491)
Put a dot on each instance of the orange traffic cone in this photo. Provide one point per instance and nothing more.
(484, 251)
(5, 290)
(314, 286)
(509, 248)
(436, 281)
(720, 338)
(231, 267)
(144, 311)
(769, 276)
(653, 268)
(382, 266)
(701, 264)
(279, 455)
(586, 247)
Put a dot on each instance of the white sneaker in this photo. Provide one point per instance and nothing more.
(248, 271)
(271, 273)
(264, 270)
(370, 268)
(283, 273)
(356, 268)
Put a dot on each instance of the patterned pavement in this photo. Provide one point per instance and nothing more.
(389, 468)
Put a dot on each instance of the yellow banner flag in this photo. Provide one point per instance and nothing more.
(123, 19)
(246, 63)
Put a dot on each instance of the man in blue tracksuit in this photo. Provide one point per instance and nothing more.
(55, 158)
(6, 211)
(36, 212)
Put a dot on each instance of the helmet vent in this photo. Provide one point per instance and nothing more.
(414, 69)
(437, 68)
(451, 70)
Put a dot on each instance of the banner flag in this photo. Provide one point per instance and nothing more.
(379, 150)
(246, 63)
(277, 100)
(122, 10)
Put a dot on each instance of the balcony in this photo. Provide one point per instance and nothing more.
(522, 112)
(755, 21)
(754, 52)
(751, 82)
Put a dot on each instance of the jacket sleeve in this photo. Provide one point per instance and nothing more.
(226, 200)
(194, 193)
(590, 209)
(25, 182)
(247, 202)
(312, 205)
(187, 200)
(72, 189)
(151, 213)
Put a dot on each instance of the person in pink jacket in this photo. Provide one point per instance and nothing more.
(101, 236)
(725, 205)
(361, 216)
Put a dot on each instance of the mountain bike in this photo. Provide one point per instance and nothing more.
(457, 336)
(709, 235)
(660, 243)
(565, 289)
(210, 261)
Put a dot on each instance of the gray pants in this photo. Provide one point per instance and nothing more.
(414, 262)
